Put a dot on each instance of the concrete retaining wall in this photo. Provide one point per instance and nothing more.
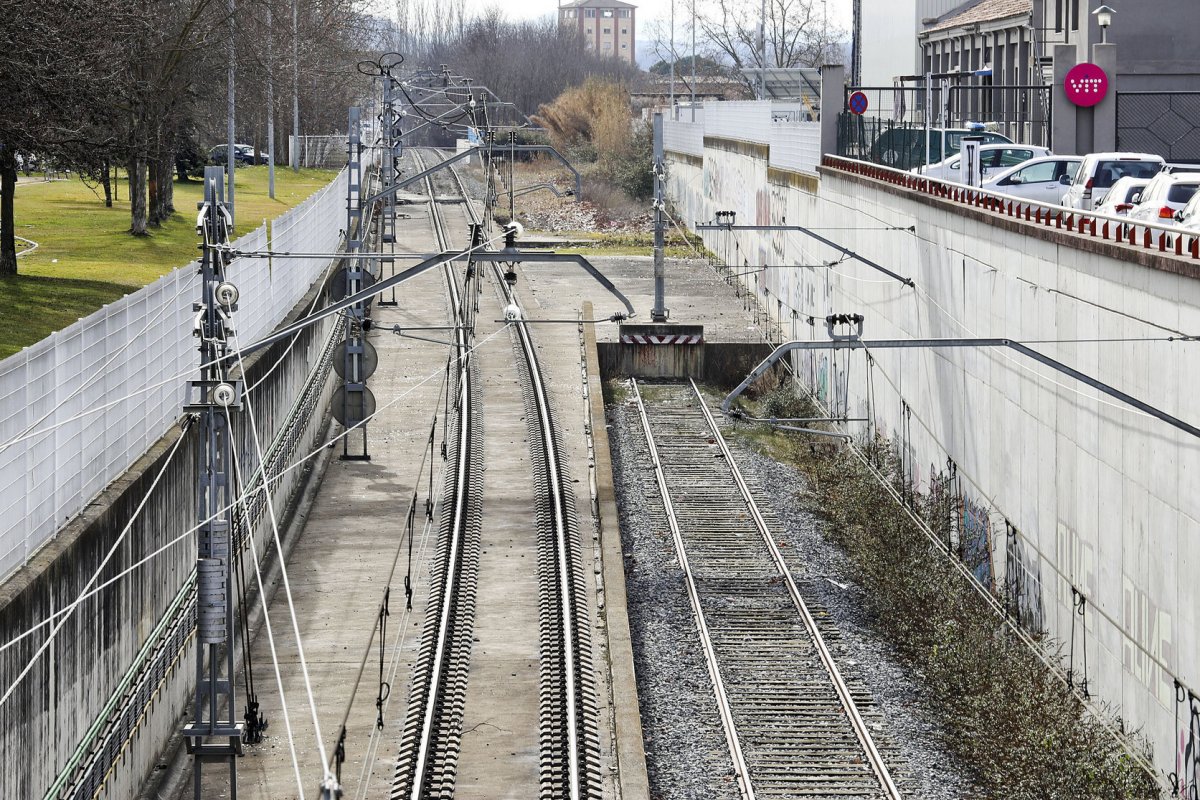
(1064, 489)
(49, 715)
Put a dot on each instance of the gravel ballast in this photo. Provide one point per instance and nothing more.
(685, 746)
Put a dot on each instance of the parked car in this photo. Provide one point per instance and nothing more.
(1188, 217)
(1037, 179)
(1164, 196)
(904, 148)
(242, 154)
(993, 158)
(1122, 197)
(1098, 173)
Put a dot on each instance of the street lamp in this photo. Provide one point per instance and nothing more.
(1104, 16)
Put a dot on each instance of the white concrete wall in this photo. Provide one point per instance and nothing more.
(889, 40)
(1100, 496)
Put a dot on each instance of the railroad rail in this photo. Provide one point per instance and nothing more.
(792, 723)
(570, 747)
(568, 738)
(426, 766)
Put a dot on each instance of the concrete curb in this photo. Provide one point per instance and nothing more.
(632, 780)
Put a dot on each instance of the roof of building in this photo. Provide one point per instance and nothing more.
(976, 11)
(598, 4)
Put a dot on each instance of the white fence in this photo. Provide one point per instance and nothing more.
(80, 406)
(794, 142)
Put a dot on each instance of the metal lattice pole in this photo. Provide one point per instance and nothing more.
(213, 734)
(354, 389)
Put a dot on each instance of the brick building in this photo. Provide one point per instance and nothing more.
(607, 26)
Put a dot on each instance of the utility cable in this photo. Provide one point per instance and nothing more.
(96, 573)
(287, 587)
(100, 372)
(262, 596)
(249, 493)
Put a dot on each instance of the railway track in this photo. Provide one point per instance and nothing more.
(569, 760)
(793, 725)
(427, 762)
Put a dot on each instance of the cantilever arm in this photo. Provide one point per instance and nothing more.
(435, 260)
(1025, 350)
(558, 258)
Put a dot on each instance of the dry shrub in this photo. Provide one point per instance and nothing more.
(1008, 717)
(594, 117)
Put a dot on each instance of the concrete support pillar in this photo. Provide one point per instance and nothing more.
(1063, 133)
(833, 101)
(1104, 120)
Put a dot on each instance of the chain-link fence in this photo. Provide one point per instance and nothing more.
(1163, 123)
(79, 407)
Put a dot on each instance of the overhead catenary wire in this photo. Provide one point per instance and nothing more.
(95, 573)
(262, 596)
(186, 535)
(287, 587)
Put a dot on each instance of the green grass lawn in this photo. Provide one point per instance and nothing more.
(87, 258)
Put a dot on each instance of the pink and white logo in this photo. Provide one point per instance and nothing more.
(1086, 85)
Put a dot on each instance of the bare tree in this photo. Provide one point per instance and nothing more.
(796, 33)
(60, 69)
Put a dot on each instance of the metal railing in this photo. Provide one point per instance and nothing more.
(1149, 236)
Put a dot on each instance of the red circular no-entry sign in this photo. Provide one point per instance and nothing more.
(857, 103)
(1086, 84)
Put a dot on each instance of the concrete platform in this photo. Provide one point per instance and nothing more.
(340, 566)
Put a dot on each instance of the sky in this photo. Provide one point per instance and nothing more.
(840, 11)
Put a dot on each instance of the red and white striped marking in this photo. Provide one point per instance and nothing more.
(669, 338)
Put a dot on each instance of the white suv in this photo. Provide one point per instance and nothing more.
(1099, 171)
(1165, 196)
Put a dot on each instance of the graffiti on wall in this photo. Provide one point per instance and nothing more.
(1151, 627)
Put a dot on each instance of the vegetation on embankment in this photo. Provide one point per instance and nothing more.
(86, 257)
(1004, 712)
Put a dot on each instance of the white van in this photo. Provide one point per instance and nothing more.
(1099, 171)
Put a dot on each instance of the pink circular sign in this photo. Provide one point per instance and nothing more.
(1086, 84)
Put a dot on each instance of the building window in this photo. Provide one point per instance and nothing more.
(608, 12)
(624, 47)
(624, 30)
(589, 31)
(591, 12)
(607, 46)
(1074, 15)
(623, 13)
(607, 30)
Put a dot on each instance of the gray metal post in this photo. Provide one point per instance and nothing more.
(213, 734)
(762, 53)
(230, 107)
(672, 57)
(1104, 113)
(659, 313)
(389, 171)
(270, 106)
(354, 382)
(693, 60)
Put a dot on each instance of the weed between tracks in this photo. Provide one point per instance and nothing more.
(1003, 712)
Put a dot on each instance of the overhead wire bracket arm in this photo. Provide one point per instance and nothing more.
(886, 344)
(718, 226)
(507, 255)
